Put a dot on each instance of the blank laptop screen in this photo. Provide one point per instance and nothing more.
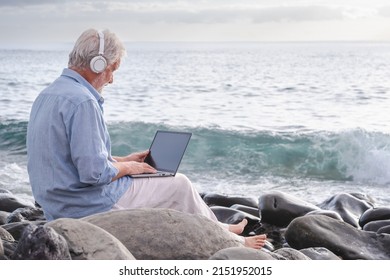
(167, 150)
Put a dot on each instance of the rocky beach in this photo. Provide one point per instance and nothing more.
(346, 226)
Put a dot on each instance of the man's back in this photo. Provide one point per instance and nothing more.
(69, 150)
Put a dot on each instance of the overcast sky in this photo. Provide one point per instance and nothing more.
(29, 22)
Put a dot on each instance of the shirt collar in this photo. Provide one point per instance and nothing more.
(80, 79)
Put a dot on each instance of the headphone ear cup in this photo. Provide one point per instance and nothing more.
(98, 64)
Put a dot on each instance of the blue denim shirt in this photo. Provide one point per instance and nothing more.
(69, 151)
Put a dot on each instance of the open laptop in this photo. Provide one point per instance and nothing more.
(166, 153)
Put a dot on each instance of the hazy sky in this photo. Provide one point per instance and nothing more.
(26, 22)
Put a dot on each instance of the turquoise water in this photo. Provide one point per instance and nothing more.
(309, 119)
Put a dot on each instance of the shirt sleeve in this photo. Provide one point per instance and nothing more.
(88, 138)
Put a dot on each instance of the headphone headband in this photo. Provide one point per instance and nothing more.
(101, 42)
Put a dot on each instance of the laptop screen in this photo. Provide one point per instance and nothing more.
(167, 150)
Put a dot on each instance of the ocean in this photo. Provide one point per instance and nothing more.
(309, 119)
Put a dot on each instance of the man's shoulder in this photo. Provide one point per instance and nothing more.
(68, 90)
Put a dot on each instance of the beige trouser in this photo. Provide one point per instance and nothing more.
(168, 192)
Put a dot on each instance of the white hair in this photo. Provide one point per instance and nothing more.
(87, 47)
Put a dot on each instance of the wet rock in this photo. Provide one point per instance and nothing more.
(376, 225)
(278, 208)
(10, 202)
(339, 237)
(26, 214)
(213, 199)
(41, 243)
(349, 206)
(374, 214)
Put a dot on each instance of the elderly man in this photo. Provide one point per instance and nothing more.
(71, 169)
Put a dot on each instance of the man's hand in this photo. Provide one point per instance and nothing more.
(132, 168)
(138, 157)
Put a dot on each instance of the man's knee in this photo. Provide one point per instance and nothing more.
(182, 182)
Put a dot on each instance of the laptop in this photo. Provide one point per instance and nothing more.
(166, 153)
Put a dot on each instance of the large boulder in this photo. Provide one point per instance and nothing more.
(374, 214)
(10, 202)
(89, 242)
(342, 239)
(279, 208)
(214, 199)
(164, 233)
(350, 206)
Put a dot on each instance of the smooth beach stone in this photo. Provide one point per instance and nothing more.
(319, 253)
(165, 234)
(243, 253)
(341, 238)
(229, 215)
(26, 214)
(17, 229)
(291, 254)
(376, 225)
(247, 209)
(350, 206)
(213, 199)
(41, 243)
(385, 230)
(328, 213)
(10, 202)
(89, 242)
(374, 214)
(279, 208)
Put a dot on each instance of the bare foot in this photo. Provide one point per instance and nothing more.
(255, 242)
(238, 228)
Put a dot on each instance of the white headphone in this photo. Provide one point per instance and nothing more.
(98, 64)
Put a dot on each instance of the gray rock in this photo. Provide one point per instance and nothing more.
(213, 199)
(89, 242)
(164, 233)
(26, 214)
(278, 208)
(374, 214)
(385, 230)
(376, 225)
(232, 216)
(17, 229)
(319, 253)
(342, 239)
(247, 209)
(291, 254)
(10, 202)
(350, 206)
(328, 213)
(41, 243)
(242, 254)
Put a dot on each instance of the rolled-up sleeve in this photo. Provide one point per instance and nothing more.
(88, 138)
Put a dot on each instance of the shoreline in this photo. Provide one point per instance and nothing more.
(284, 218)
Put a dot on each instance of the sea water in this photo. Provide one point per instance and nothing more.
(309, 119)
